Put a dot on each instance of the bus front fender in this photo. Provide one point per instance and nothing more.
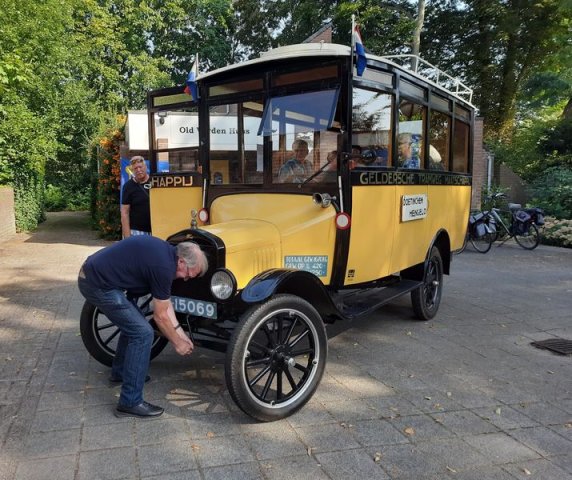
(303, 284)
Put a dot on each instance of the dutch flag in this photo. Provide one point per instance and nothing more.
(191, 88)
(361, 61)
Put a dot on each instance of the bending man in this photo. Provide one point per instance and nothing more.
(139, 265)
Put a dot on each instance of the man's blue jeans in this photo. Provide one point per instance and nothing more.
(131, 361)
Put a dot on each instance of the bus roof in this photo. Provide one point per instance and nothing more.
(422, 69)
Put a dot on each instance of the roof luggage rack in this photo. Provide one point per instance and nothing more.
(433, 74)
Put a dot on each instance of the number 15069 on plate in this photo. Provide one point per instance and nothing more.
(197, 308)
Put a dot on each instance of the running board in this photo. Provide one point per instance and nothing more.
(356, 303)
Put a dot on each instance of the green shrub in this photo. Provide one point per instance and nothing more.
(59, 198)
(557, 232)
(487, 202)
(28, 194)
(552, 191)
(54, 199)
(26, 140)
(79, 201)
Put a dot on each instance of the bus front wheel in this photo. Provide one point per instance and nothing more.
(427, 297)
(276, 357)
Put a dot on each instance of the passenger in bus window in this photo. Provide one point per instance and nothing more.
(356, 159)
(381, 156)
(329, 170)
(435, 161)
(405, 152)
(297, 169)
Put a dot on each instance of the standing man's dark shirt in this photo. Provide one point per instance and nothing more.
(135, 208)
(136, 195)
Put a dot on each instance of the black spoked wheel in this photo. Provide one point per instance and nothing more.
(100, 336)
(276, 357)
(427, 297)
(530, 239)
(484, 243)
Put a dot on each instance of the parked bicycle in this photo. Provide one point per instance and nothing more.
(481, 232)
(521, 224)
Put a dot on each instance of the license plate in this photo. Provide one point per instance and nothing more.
(190, 306)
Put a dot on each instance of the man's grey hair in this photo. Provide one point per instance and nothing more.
(136, 159)
(192, 255)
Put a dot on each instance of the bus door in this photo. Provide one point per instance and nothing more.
(374, 197)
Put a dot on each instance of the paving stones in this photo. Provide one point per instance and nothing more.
(461, 397)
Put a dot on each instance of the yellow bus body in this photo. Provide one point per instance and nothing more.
(381, 244)
(261, 230)
(171, 208)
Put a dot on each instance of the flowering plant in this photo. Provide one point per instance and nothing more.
(557, 232)
(106, 212)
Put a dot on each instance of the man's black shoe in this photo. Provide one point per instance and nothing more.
(119, 381)
(143, 410)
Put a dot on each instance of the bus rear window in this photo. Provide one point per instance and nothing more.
(461, 148)
(236, 87)
(313, 74)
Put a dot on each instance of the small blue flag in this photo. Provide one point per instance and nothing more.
(361, 61)
(191, 88)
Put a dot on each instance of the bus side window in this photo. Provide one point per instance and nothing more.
(372, 127)
(439, 136)
(411, 134)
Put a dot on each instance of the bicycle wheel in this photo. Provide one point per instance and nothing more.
(530, 239)
(484, 243)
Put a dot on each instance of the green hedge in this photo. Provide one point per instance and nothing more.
(26, 142)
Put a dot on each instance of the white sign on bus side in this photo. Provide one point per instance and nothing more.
(413, 207)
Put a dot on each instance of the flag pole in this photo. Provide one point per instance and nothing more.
(353, 43)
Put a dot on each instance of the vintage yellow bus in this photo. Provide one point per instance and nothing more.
(317, 194)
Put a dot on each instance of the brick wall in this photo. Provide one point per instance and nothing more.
(506, 178)
(325, 37)
(479, 165)
(7, 219)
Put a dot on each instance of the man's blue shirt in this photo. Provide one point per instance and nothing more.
(139, 264)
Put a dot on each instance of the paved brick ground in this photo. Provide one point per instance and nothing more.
(462, 397)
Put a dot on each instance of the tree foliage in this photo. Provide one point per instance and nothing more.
(260, 25)
(496, 46)
(68, 67)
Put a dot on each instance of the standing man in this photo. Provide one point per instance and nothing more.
(135, 211)
(139, 265)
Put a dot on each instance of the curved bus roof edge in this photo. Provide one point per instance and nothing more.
(336, 50)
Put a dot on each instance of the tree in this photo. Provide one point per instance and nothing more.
(418, 27)
(187, 27)
(495, 46)
(386, 26)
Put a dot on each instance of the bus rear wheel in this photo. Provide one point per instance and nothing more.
(276, 357)
(100, 336)
(427, 297)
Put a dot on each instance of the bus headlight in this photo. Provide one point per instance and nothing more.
(223, 284)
